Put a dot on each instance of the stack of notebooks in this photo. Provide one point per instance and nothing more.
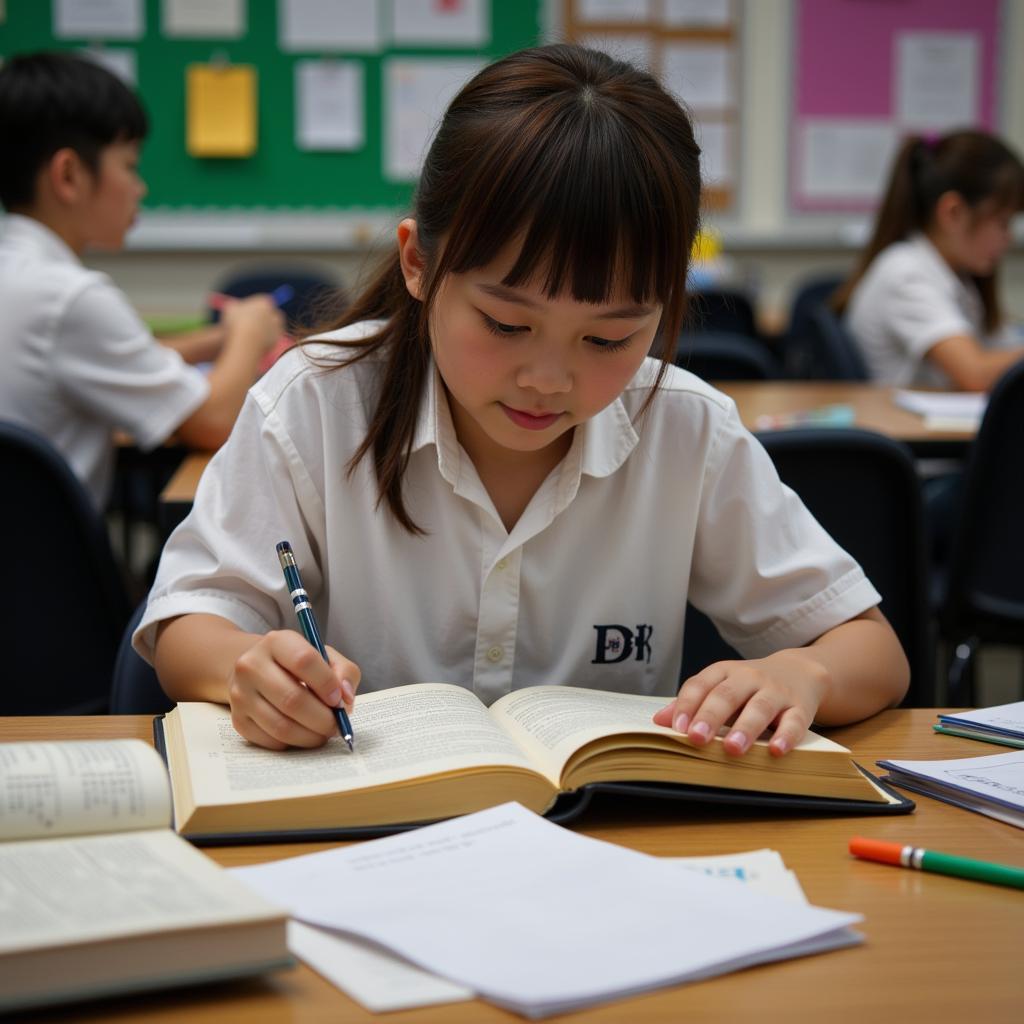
(1003, 724)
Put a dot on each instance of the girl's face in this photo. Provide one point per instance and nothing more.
(521, 369)
(975, 239)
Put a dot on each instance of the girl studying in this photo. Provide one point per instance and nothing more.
(922, 302)
(486, 478)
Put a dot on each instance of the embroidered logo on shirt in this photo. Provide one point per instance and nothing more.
(617, 643)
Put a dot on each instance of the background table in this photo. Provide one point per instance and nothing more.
(937, 949)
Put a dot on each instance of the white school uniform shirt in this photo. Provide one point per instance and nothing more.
(909, 300)
(589, 588)
(78, 363)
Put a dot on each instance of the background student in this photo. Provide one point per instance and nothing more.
(922, 302)
(77, 361)
(484, 479)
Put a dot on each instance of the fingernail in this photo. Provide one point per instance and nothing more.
(780, 745)
(681, 722)
(333, 699)
(738, 740)
(700, 731)
(348, 690)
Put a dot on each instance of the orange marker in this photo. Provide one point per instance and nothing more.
(941, 863)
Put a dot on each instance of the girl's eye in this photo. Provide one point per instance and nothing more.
(607, 345)
(502, 330)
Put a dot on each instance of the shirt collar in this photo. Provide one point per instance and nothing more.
(29, 232)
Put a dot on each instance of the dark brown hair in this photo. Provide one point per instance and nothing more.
(979, 167)
(587, 159)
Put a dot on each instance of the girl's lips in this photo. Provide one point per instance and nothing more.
(528, 420)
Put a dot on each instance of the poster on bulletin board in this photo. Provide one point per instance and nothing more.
(866, 74)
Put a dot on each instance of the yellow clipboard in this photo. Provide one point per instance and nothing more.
(220, 110)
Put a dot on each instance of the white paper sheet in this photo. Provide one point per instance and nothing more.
(98, 19)
(330, 26)
(845, 159)
(717, 164)
(329, 105)
(505, 905)
(697, 13)
(637, 49)
(944, 410)
(700, 74)
(416, 95)
(440, 22)
(588, 11)
(384, 983)
(937, 80)
(204, 19)
(1004, 718)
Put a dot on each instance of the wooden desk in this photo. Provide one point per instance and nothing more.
(178, 494)
(937, 949)
(873, 408)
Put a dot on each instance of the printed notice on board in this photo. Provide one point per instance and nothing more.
(204, 19)
(220, 107)
(697, 13)
(700, 74)
(937, 79)
(845, 159)
(345, 26)
(98, 19)
(416, 95)
(440, 22)
(120, 62)
(715, 141)
(329, 105)
(618, 11)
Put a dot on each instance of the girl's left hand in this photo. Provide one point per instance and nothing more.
(783, 690)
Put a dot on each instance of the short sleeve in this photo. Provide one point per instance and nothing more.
(921, 313)
(764, 570)
(107, 362)
(222, 559)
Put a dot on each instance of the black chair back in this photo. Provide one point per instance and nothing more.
(984, 598)
(827, 350)
(796, 347)
(135, 689)
(722, 309)
(65, 604)
(864, 490)
(313, 292)
(721, 355)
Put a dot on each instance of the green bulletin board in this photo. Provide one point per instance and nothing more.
(278, 176)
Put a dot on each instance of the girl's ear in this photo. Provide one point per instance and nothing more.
(411, 258)
(951, 211)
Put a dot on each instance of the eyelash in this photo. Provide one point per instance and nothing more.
(501, 330)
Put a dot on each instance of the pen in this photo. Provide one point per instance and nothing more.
(307, 621)
(941, 863)
(837, 415)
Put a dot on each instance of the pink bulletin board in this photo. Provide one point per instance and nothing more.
(844, 119)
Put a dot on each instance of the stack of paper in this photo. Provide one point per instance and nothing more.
(945, 410)
(542, 920)
(1003, 724)
(987, 785)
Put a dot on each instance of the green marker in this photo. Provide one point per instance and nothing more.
(940, 863)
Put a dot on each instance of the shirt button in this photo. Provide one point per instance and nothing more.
(503, 564)
(495, 654)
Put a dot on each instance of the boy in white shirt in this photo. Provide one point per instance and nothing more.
(78, 362)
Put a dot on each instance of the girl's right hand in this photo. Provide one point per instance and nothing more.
(256, 318)
(272, 708)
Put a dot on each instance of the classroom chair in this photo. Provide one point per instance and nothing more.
(723, 355)
(65, 604)
(826, 350)
(809, 295)
(864, 490)
(316, 296)
(981, 592)
(135, 689)
(722, 309)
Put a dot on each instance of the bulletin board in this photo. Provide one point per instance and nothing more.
(279, 175)
(693, 47)
(866, 73)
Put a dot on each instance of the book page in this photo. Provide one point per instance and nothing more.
(89, 888)
(402, 733)
(552, 722)
(81, 786)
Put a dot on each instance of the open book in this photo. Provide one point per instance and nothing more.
(430, 751)
(98, 896)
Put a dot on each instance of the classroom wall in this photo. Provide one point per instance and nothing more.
(771, 248)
